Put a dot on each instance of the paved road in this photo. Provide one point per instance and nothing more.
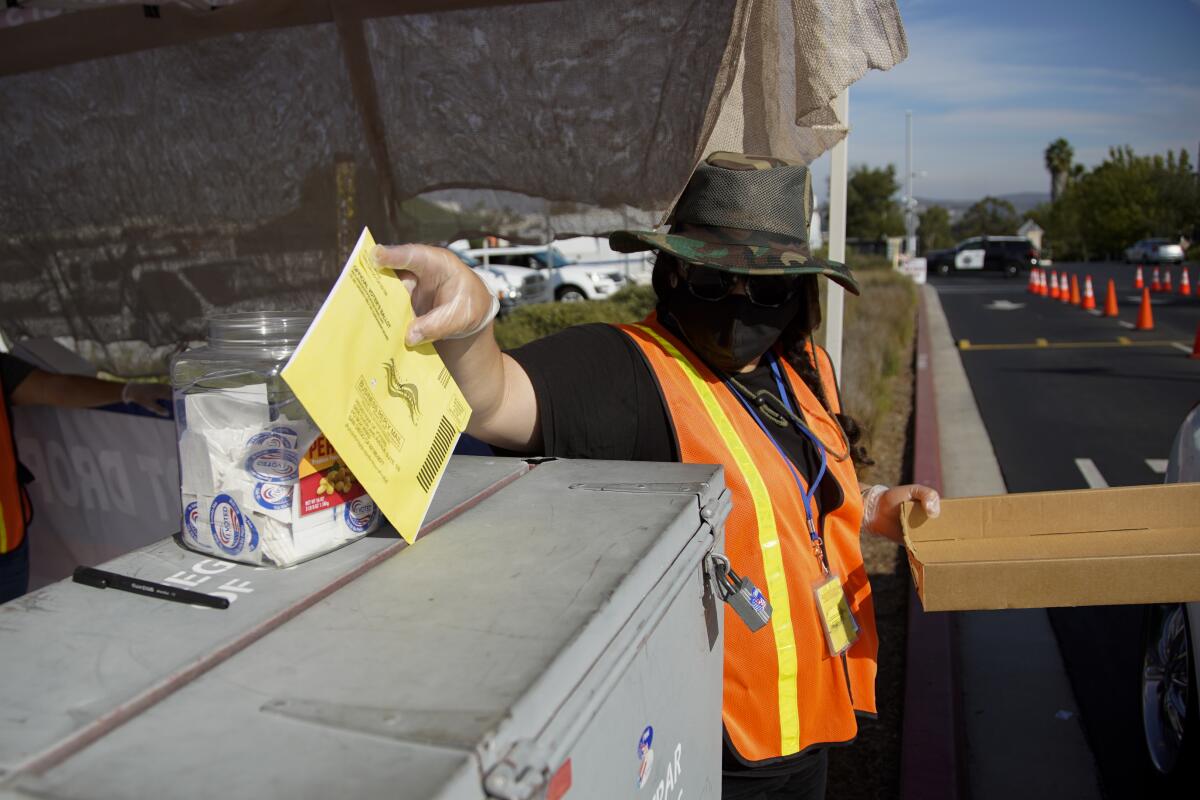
(1098, 403)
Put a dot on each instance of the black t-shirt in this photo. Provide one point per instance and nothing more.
(12, 372)
(598, 398)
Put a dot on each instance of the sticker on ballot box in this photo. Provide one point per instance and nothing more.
(841, 628)
(273, 496)
(227, 524)
(360, 515)
(273, 465)
(191, 517)
(267, 439)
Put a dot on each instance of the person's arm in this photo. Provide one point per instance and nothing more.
(77, 391)
(454, 311)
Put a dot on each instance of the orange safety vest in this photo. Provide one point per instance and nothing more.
(783, 692)
(14, 502)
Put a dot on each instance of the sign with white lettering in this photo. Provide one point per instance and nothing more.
(106, 483)
(915, 268)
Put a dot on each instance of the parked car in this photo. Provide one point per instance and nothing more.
(1154, 251)
(596, 253)
(1010, 255)
(1170, 705)
(567, 280)
(515, 286)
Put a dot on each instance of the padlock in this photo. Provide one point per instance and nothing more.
(741, 594)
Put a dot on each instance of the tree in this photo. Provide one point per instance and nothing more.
(1059, 156)
(871, 211)
(990, 216)
(1129, 197)
(934, 229)
(1126, 198)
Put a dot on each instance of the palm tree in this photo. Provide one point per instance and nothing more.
(1058, 161)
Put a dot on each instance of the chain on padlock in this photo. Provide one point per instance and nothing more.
(741, 594)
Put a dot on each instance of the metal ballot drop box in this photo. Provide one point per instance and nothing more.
(554, 633)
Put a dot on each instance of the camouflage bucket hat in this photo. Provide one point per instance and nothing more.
(744, 214)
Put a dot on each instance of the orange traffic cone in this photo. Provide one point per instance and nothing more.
(1196, 346)
(1167, 281)
(1054, 284)
(1110, 302)
(1076, 298)
(1031, 287)
(1155, 282)
(1185, 285)
(1138, 283)
(1145, 318)
(1089, 297)
(1064, 289)
(1042, 289)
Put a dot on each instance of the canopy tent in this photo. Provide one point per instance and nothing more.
(160, 163)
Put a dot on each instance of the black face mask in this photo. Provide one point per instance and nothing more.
(729, 333)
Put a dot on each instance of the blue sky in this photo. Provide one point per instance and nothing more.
(990, 84)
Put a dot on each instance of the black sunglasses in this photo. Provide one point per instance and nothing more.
(711, 284)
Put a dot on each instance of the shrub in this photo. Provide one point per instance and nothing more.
(527, 323)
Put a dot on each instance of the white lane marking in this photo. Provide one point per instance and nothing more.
(1158, 465)
(1182, 346)
(1125, 324)
(1090, 474)
(1095, 312)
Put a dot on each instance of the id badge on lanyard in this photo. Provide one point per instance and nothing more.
(833, 608)
(841, 628)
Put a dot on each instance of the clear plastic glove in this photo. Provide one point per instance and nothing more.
(154, 397)
(881, 507)
(449, 299)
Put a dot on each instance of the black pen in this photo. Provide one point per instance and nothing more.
(90, 576)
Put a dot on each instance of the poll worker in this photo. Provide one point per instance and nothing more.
(724, 371)
(21, 383)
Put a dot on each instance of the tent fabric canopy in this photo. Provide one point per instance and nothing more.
(200, 161)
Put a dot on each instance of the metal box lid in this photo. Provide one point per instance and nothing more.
(80, 661)
(418, 677)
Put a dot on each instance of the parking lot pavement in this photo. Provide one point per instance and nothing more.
(1083, 409)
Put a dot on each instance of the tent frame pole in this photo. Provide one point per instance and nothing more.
(835, 294)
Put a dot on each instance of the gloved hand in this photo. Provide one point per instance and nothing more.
(449, 299)
(154, 397)
(881, 507)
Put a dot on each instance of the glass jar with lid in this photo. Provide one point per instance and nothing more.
(258, 482)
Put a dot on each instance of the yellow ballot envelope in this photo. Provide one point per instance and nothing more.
(391, 412)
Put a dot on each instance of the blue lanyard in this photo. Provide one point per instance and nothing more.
(806, 497)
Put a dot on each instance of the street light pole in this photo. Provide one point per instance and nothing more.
(910, 205)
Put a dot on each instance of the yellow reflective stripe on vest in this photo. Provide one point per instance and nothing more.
(768, 542)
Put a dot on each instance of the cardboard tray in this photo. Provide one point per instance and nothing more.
(1138, 544)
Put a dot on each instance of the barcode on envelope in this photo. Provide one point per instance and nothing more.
(437, 455)
(444, 377)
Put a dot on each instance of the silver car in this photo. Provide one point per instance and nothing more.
(1170, 702)
(1154, 251)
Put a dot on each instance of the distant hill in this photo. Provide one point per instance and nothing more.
(1022, 201)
